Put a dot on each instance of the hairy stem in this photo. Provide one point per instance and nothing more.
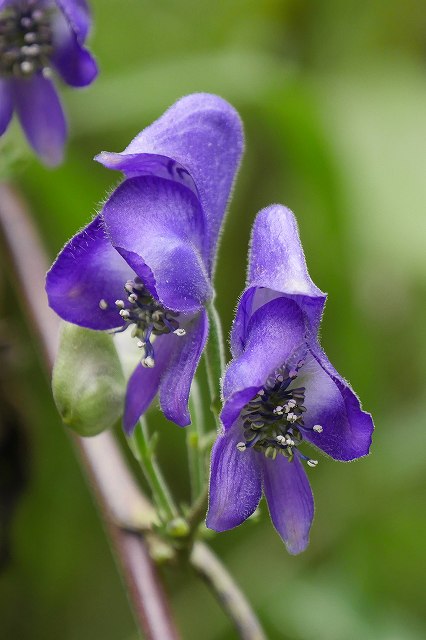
(146, 457)
(214, 358)
(212, 571)
(194, 435)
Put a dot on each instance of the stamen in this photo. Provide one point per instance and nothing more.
(26, 39)
(148, 362)
(148, 317)
(103, 304)
(273, 419)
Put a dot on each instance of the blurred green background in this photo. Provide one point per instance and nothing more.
(333, 98)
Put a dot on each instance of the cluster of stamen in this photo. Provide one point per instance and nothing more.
(148, 316)
(25, 40)
(273, 421)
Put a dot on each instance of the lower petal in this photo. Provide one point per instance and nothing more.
(6, 105)
(78, 15)
(144, 383)
(332, 404)
(75, 64)
(41, 117)
(290, 500)
(235, 482)
(88, 271)
(177, 380)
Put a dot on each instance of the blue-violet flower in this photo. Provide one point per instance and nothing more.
(280, 390)
(147, 259)
(36, 36)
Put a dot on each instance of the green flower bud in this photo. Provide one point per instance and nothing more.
(88, 383)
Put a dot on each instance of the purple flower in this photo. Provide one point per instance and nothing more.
(147, 259)
(36, 35)
(280, 391)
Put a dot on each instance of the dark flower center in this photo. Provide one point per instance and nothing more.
(148, 316)
(273, 421)
(25, 40)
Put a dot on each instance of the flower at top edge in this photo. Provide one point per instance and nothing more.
(37, 37)
(280, 392)
(145, 262)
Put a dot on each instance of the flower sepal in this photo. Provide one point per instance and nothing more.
(88, 383)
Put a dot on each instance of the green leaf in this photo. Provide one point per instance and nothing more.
(88, 383)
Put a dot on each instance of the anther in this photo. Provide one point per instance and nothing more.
(124, 313)
(119, 304)
(317, 428)
(27, 67)
(103, 304)
(140, 344)
(132, 297)
(312, 463)
(241, 446)
(292, 417)
(179, 332)
(148, 362)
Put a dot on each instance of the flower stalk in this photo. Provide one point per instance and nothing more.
(143, 448)
(194, 437)
(214, 359)
(211, 570)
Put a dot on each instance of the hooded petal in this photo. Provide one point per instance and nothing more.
(75, 64)
(176, 382)
(277, 266)
(6, 105)
(235, 482)
(203, 134)
(331, 403)
(144, 383)
(41, 116)
(78, 15)
(275, 332)
(158, 224)
(88, 270)
(290, 500)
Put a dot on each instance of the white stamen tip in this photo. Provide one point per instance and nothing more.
(148, 362)
(317, 428)
(180, 332)
(124, 313)
(291, 403)
(132, 297)
(47, 72)
(291, 417)
(119, 304)
(27, 66)
(241, 446)
(280, 438)
(140, 344)
(278, 410)
(103, 304)
(312, 463)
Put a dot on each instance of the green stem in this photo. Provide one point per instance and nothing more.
(194, 434)
(231, 599)
(214, 357)
(143, 451)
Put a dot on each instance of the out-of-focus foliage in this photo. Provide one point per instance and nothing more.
(333, 98)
